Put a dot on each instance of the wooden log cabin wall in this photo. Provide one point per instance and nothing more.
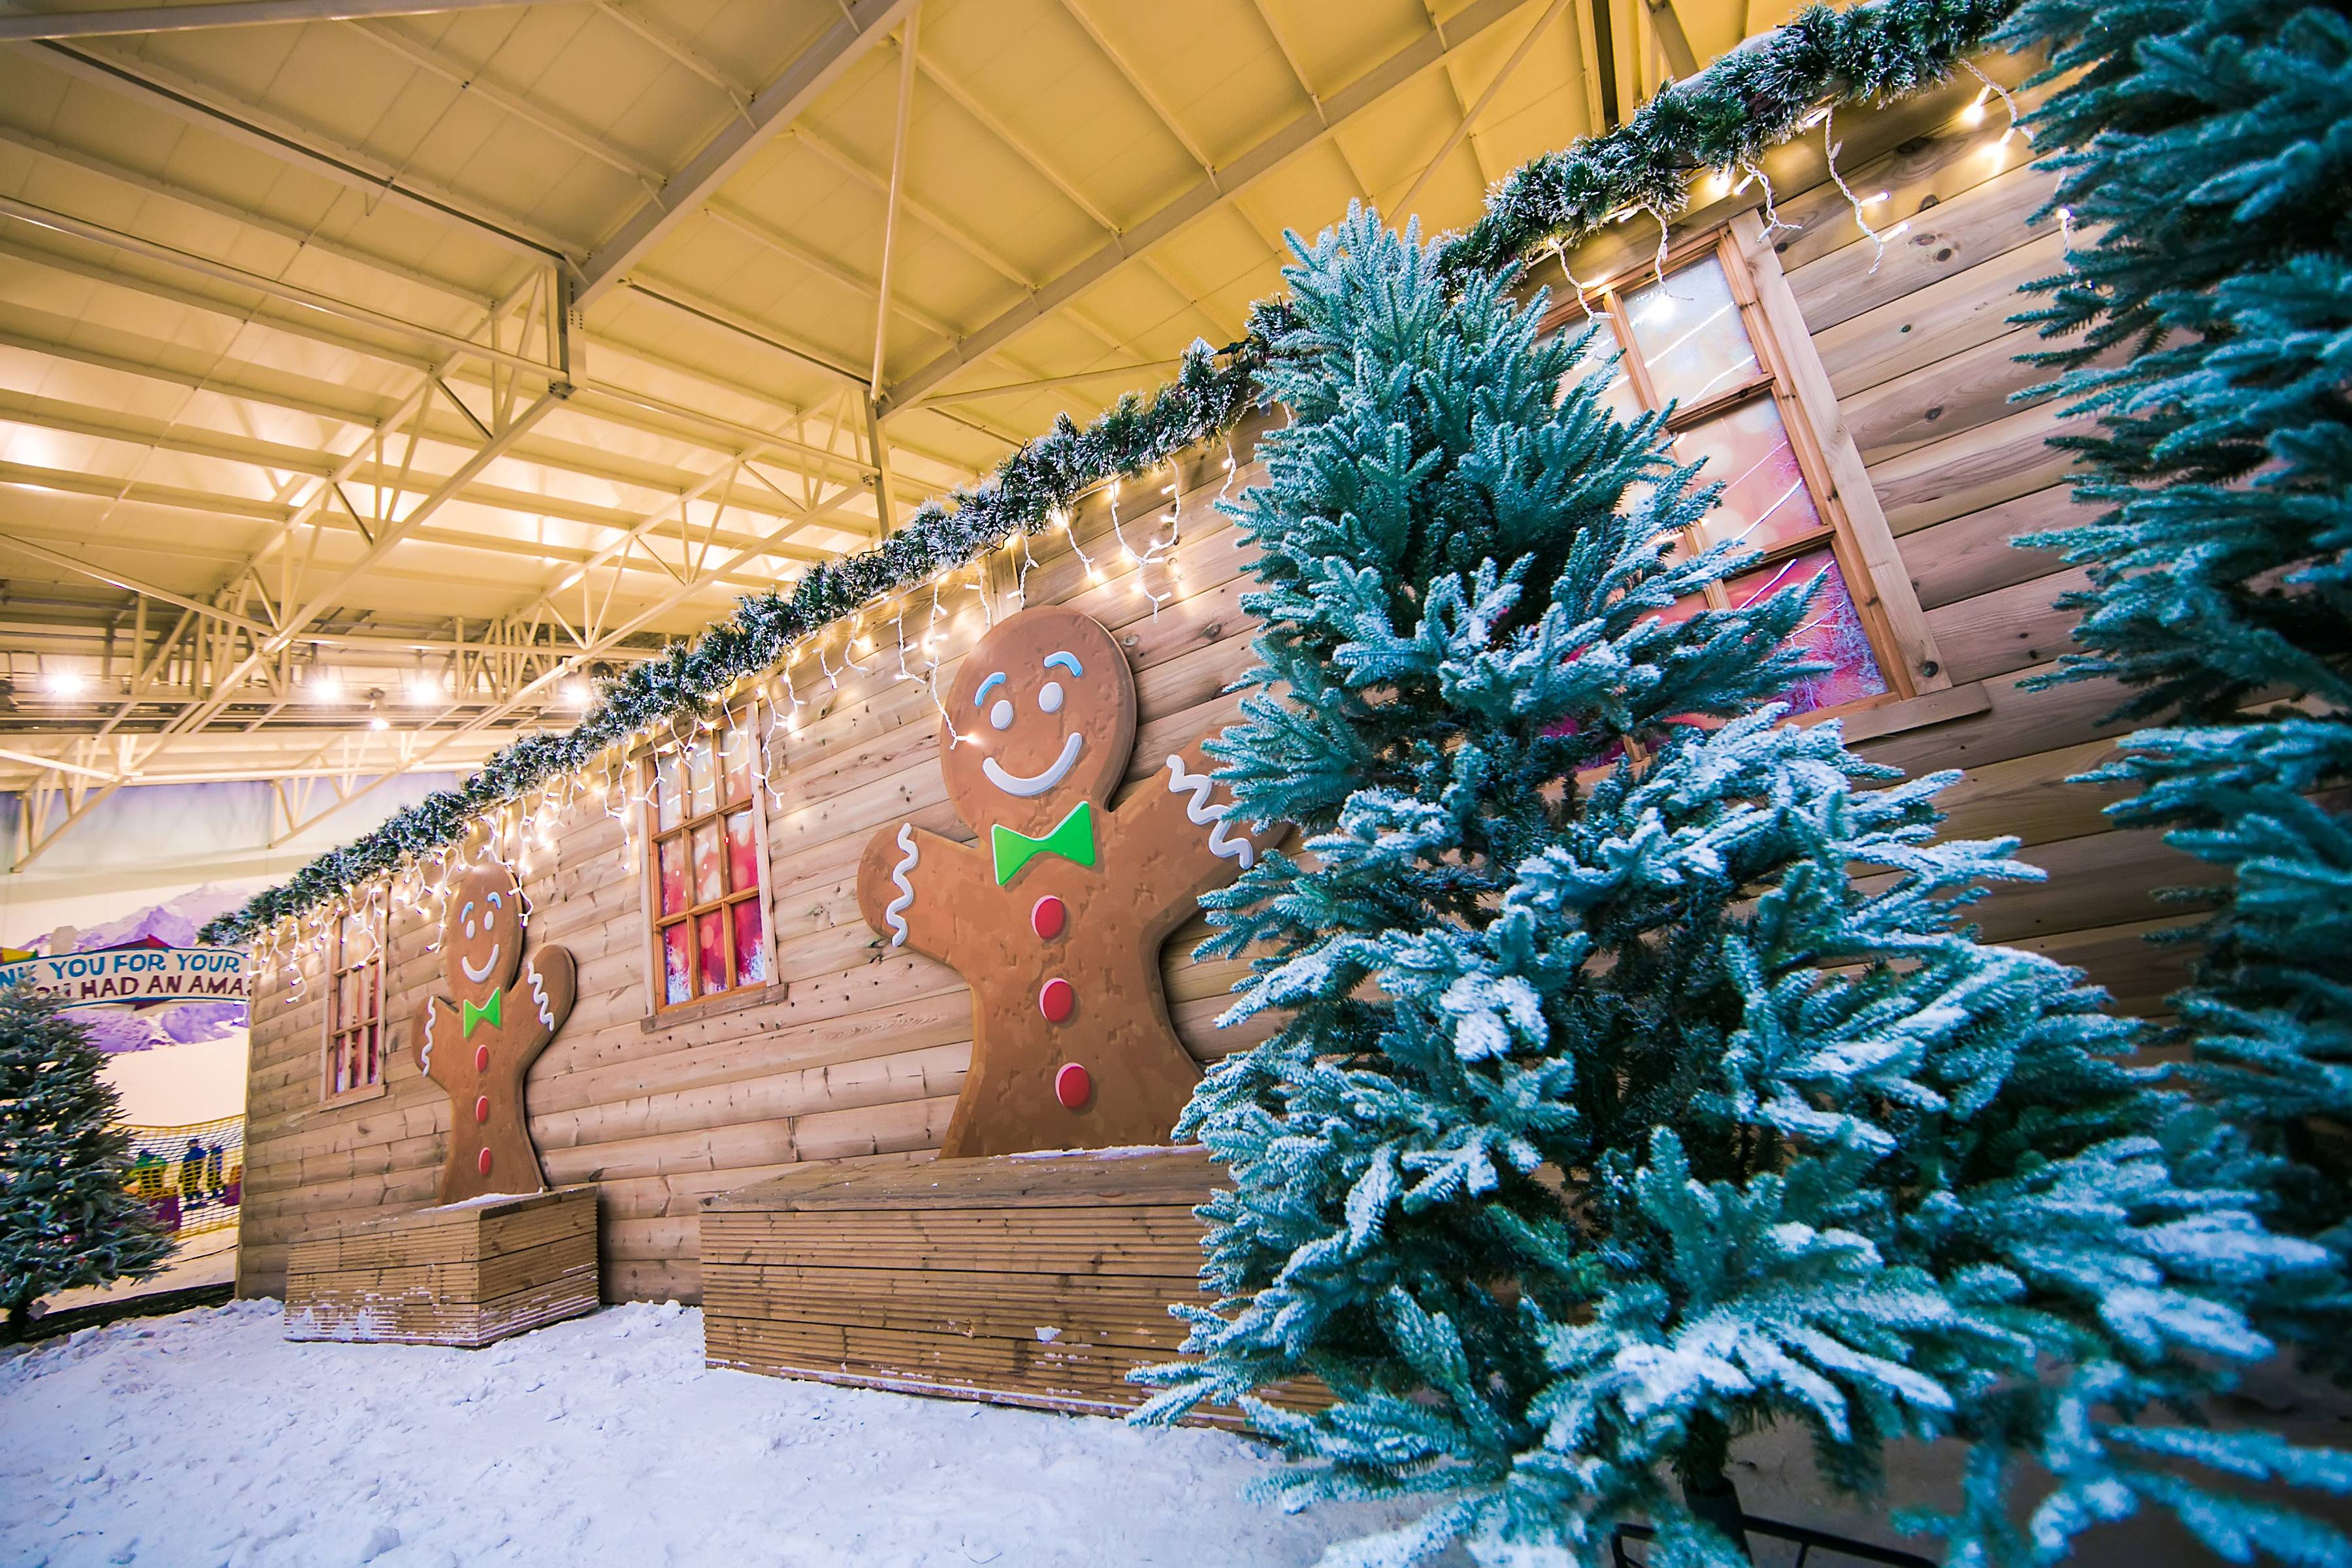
(1898, 367)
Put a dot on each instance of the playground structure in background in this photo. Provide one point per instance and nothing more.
(192, 1176)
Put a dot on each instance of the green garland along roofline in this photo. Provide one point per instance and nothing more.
(1745, 103)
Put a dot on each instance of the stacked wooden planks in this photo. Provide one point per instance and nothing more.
(464, 1274)
(1019, 1280)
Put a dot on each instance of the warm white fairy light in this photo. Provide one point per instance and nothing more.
(1756, 175)
(1861, 220)
(1665, 234)
(1974, 113)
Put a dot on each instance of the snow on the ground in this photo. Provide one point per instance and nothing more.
(206, 1440)
(207, 1259)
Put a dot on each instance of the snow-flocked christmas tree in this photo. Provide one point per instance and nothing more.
(65, 1217)
(2210, 180)
(1611, 1116)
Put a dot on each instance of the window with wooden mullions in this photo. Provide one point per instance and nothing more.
(1696, 342)
(354, 1043)
(710, 932)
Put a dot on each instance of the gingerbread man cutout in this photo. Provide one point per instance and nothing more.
(1056, 916)
(478, 1046)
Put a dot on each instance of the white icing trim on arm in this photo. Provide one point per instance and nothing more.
(539, 1000)
(424, 1046)
(913, 858)
(1201, 813)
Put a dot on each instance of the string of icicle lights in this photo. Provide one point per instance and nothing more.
(1722, 121)
(910, 636)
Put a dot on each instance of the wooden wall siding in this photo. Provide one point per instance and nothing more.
(853, 1055)
(1920, 349)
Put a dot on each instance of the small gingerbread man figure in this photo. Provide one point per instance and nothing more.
(1056, 916)
(479, 1046)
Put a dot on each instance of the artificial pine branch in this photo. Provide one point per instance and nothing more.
(2208, 151)
(1609, 1118)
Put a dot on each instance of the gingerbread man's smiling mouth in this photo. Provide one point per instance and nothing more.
(1035, 783)
(479, 975)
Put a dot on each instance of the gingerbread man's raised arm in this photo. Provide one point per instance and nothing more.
(1177, 819)
(910, 885)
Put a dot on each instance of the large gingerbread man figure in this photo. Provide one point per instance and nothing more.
(479, 1046)
(1056, 916)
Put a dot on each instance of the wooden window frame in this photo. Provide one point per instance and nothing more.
(330, 1026)
(1789, 370)
(660, 1010)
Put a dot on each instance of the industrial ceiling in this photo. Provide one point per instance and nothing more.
(375, 372)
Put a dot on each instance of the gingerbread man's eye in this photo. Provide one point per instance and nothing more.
(1001, 714)
(1050, 698)
(468, 918)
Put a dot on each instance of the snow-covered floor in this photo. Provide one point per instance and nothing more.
(205, 1439)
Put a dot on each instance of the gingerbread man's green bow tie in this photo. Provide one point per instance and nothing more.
(1073, 839)
(468, 1014)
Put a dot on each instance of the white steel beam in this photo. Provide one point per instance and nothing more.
(971, 104)
(862, 24)
(1043, 383)
(760, 234)
(718, 315)
(679, 50)
(1142, 90)
(473, 84)
(288, 293)
(21, 26)
(1470, 115)
(299, 237)
(1220, 188)
(375, 180)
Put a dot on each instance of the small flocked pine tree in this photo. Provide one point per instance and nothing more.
(2208, 173)
(1610, 1119)
(67, 1219)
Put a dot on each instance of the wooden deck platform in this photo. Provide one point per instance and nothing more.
(1037, 1279)
(462, 1274)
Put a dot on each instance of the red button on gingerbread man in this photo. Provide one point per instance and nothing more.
(478, 1046)
(1056, 916)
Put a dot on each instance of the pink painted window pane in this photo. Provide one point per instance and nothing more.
(1746, 451)
(701, 777)
(1690, 336)
(1617, 393)
(708, 885)
(368, 1062)
(735, 763)
(1682, 609)
(677, 964)
(668, 787)
(751, 952)
(710, 936)
(742, 853)
(1831, 631)
(339, 1065)
(673, 876)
